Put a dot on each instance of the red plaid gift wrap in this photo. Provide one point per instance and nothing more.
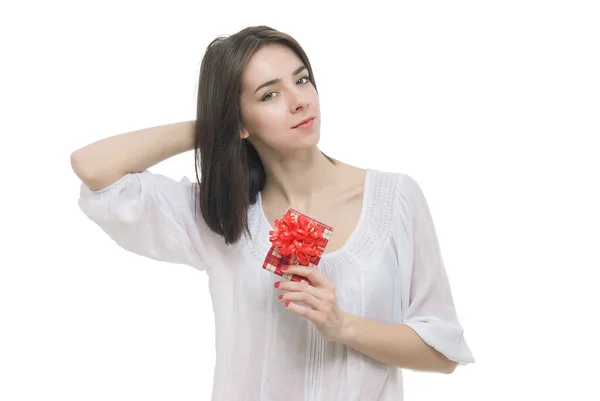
(297, 240)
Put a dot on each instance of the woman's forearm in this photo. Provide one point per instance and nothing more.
(101, 163)
(393, 344)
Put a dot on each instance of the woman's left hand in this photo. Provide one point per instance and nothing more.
(319, 295)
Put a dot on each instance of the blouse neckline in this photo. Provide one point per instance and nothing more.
(265, 226)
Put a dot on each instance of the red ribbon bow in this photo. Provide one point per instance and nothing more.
(299, 238)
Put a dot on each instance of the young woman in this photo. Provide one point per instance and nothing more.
(379, 299)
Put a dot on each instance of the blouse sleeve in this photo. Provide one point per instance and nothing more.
(150, 215)
(427, 303)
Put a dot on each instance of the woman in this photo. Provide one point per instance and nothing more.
(380, 298)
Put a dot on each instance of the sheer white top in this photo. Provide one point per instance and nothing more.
(390, 270)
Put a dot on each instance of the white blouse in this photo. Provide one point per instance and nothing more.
(390, 270)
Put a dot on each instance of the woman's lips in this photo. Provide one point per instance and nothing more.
(307, 124)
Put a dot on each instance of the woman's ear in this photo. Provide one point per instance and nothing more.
(244, 133)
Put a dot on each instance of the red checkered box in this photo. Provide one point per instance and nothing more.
(297, 240)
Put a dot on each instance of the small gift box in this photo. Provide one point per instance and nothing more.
(297, 240)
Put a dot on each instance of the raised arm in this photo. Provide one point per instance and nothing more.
(102, 163)
(145, 213)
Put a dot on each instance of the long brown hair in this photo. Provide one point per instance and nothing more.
(232, 172)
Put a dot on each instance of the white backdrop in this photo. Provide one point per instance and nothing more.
(493, 107)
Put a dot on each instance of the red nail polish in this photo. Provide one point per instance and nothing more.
(277, 284)
(281, 296)
(287, 303)
(284, 267)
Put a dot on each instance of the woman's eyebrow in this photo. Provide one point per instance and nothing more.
(274, 81)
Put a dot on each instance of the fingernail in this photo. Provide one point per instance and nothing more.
(277, 284)
(284, 267)
(287, 303)
(281, 296)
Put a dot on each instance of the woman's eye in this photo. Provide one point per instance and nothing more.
(269, 97)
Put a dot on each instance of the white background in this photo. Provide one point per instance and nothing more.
(493, 107)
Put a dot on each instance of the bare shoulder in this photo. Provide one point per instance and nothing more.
(350, 173)
(351, 183)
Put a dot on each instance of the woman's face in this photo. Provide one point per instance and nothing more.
(270, 112)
